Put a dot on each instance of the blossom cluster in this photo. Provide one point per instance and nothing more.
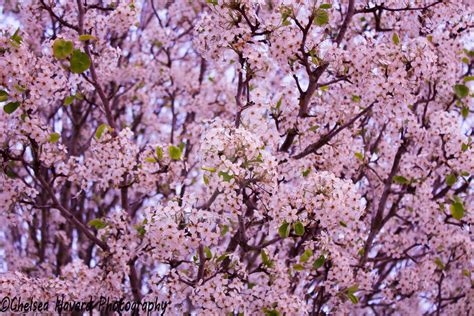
(239, 156)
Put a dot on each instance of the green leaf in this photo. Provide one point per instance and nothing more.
(222, 257)
(318, 263)
(174, 152)
(151, 159)
(9, 173)
(68, 100)
(461, 90)
(451, 179)
(298, 267)
(158, 43)
(285, 14)
(353, 289)
(205, 179)
(468, 78)
(272, 312)
(356, 98)
(265, 259)
(284, 230)
(439, 263)
(278, 105)
(321, 17)
(299, 228)
(359, 156)
(208, 252)
(213, 2)
(306, 255)
(100, 130)
(210, 169)
(306, 172)
(465, 174)
(159, 152)
(141, 230)
(400, 180)
(224, 229)
(285, 22)
(19, 88)
(464, 147)
(325, 6)
(395, 39)
(54, 137)
(87, 37)
(16, 38)
(11, 107)
(313, 128)
(62, 48)
(314, 58)
(350, 294)
(324, 88)
(342, 223)
(227, 177)
(464, 112)
(80, 62)
(457, 210)
(3, 96)
(97, 223)
(469, 53)
(354, 299)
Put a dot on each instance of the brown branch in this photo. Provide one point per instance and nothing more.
(134, 281)
(327, 137)
(94, 81)
(202, 262)
(407, 8)
(58, 18)
(377, 220)
(211, 200)
(305, 97)
(69, 216)
(347, 20)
